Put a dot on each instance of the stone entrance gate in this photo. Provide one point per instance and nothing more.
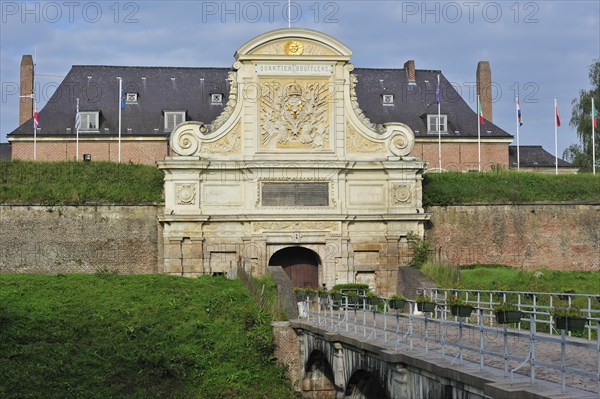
(292, 162)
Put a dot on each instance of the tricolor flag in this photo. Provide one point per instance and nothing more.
(594, 116)
(557, 116)
(437, 90)
(480, 111)
(519, 117)
(36, 120)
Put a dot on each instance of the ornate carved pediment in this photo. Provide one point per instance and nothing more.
(294, 114)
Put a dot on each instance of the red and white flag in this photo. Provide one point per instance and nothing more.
(557, 116)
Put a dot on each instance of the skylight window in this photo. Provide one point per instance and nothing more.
(432, 124)
(172, 119)
(89, 121)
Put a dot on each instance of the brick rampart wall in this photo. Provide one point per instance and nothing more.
(83, 239)
(559, 236)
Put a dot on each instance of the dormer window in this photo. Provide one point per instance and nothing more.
(216, 98)
(387, 99)
(89, 121)
(131, 98)
(432, 124)
(172, 119)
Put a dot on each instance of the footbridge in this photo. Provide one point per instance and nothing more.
(362, 351)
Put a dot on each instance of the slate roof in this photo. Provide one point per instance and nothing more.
(412, 102)
(189, 89)
(534, 156)
(175, 89)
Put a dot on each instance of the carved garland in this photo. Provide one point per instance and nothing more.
(379, 128)
(229, 107)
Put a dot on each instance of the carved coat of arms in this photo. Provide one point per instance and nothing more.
(294, 115)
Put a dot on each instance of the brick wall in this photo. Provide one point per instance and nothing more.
(287, 351)
(532, 236)
(84, 239)
(462, 156)
(144, 152)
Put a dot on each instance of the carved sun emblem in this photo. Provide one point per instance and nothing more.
(294, 47)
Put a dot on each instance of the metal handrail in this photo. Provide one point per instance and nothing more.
(377, 328)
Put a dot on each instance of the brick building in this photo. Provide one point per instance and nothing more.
(156, 99)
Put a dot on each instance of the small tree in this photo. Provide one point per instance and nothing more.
(580, 154)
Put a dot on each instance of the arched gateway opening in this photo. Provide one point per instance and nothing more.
(301, 265)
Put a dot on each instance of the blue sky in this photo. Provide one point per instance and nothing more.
(540, 49)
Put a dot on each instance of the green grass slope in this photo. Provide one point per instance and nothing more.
(109, 336)
(54, 183)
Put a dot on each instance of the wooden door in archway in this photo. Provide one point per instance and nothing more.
(300, 264)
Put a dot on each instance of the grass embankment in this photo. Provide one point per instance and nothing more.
(55, 183)
(58, 183)
(507, 278)
(508, 187)
(110, 336)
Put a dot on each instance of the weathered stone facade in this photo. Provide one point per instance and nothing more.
(292, 162)
(529, 236)
(79, 239)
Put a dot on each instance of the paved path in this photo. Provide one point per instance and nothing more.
(444, 338)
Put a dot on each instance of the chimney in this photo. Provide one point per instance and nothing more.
(484, 88)
(410, 70)
(26, 103)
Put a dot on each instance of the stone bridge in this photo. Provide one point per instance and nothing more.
(336, 365)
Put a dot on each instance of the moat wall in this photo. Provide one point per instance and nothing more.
(532, 236)
(127, 239)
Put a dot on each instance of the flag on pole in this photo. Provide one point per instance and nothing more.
(480, 112)
(519, 117)
(77, 117)
(557, 115)
(36, 120)
(437, 90)
(594, 116)
(122, 98)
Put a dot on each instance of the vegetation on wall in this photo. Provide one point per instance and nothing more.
(508, 187)
(111, 336)
(508, 278)
(58, 183)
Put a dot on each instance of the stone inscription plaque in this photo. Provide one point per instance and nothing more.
(295, 194)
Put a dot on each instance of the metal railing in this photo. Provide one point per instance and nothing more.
(462, 338)
(540, 304)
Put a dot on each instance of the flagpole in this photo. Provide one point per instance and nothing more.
(33, 100)
(34, 128)
(478, 134)
(555, 137)
(518, 124)
(593, 137)
(289, 14)
(77, 122)
(119, 103)
(439, 124)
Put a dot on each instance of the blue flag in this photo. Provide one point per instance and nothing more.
(437, 90)
(122, 98)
